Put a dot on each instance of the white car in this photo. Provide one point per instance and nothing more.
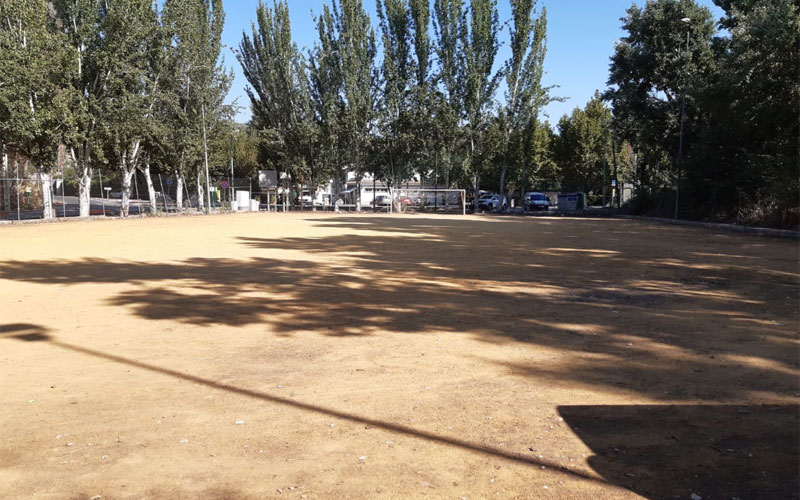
(492, 202)
(535, 201)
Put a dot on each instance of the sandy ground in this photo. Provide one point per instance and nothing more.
(324, 356)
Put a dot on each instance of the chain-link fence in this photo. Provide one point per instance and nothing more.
(27, 194)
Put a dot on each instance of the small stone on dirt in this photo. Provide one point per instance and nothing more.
(364, 457)
(239, 422)
(184, 441)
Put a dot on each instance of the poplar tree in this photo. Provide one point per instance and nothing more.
(449, 27)
(79, 21)
(344, 83)
(523, 72)
(199, 84)
(356, 50)
(34, 105)
(279, 94)
(398, 74)
(127, 62)
(479, 48)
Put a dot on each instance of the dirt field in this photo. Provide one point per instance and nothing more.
(323, 356)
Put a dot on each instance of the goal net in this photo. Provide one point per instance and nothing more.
(452, 201)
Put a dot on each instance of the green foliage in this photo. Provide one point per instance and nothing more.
(280, 95)
(583, 145)
(35, 103)
(525, 96)
(742, 100)
(195, 84)
(343, 87)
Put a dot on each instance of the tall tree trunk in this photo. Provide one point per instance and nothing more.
(84, 180)
(337, 188)
(201, 202)
(179, 193)
(477, 184)
(502, 185)
(6, 180)
(47, 195)
(151, 190)
(312, 193)
(127, 175)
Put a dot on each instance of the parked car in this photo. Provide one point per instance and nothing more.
(115, 194)
(492, 202)
(535, 201)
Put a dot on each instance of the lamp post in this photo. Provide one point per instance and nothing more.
(686, 21)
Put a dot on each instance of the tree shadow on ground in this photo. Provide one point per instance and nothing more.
(673, 322)
(33, 333)
(713, 451)
(682, 315)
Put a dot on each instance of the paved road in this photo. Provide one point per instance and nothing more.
(68, 207)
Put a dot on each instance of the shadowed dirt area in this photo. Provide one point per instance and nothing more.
(325, 356)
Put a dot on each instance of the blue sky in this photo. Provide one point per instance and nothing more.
(581, 35)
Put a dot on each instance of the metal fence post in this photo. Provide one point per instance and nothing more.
(16, 162)
(102, 200)
(163, 194)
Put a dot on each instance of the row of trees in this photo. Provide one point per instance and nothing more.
(121, 84)
(127, 85)
(425, 106)
(738, 93)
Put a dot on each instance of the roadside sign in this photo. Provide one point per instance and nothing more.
(224, 184)
(267, 178)
(613, 182)
(169, 182)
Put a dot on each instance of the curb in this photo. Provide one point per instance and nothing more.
(761, 231)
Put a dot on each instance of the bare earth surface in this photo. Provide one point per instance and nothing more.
(324, 356)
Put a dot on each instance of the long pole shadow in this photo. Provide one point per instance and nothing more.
(34, 333)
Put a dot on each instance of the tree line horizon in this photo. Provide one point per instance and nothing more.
(699, 115)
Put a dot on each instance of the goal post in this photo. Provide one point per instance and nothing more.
(452, 201)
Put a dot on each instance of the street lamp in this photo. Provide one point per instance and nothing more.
(685, 21)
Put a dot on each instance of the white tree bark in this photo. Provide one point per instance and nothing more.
(127, 174)
(151, 190)
(47, 195)
(84, 182)
(201, 202)
(179, 193)
(128, 165)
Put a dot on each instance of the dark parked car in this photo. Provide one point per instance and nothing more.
(535, 201)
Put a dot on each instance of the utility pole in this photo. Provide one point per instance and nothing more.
(205, 155)
(686, 21)
(604, 183)
(231, 169)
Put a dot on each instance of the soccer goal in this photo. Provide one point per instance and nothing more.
(453, 201)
